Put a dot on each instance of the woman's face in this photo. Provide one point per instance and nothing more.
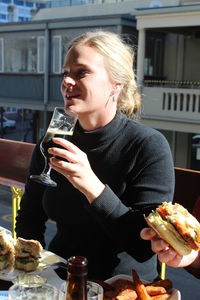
(87, 87)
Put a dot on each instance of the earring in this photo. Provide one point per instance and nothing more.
(114, 98)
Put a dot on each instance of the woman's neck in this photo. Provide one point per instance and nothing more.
(92, 121)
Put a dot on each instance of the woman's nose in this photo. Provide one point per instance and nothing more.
(68, 80)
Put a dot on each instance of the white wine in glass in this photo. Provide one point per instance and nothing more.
(61, 125)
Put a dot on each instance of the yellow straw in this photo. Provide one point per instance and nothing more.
(162, 274)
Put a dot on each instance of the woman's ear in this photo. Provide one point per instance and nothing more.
(117, 87)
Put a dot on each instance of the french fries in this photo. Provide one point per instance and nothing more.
(137, 290)
(161, 297)
(139, 287)
(166, 283)
(150, 291)
(155, 290)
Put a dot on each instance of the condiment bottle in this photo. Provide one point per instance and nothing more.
(77, 278)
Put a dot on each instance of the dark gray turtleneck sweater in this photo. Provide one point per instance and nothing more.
(135, 164)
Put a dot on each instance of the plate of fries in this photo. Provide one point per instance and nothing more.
(124, 287)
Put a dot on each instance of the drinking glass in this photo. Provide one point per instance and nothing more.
(32, 287)
(61, 125)
(94, 291)
(43, 292)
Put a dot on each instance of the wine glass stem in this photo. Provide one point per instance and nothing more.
(47, 168)
(48, 171)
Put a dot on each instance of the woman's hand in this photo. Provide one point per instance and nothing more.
(76, 169)
(165, 253)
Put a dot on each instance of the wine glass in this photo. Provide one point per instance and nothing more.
(61, 125)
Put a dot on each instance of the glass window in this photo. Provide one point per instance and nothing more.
(21, 11)
(2, 17)
(19, 2)
(41, 5)
(56, 54)
(6, 1)
(3, 8)
(20, 19)
(1, 56)
(20, 53)
(40, 56)
(29, 4)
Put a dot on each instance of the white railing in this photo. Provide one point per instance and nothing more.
(171, 104)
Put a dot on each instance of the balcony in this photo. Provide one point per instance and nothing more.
(175, 107)
(26, 90)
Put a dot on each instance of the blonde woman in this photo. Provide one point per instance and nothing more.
(116, 170)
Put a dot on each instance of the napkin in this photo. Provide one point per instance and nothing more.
(3, 295)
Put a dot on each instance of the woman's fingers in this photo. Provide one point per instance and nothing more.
(69, 151)
(76, 169)
(66, 144)
(168, 255)
(147, 233)
(63, 153)
(157, 244)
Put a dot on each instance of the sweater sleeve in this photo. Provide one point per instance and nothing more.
(30, 222)
(149, 183)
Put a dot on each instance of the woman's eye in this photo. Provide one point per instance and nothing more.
(64, 74)
(81, 73)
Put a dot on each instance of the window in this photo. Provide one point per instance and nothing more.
(2, 17)
(41, 54)
(56, 54)
(29, 4)
(1, 56)
(11, 109)
(21, 11)
(20, 52)
(20, 19)
(154, 53)
(3, 8)
(19, 2)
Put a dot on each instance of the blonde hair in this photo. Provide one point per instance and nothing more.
(119, 59)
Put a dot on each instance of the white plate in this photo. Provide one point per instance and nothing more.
(6, 230)
(47, 258)
(175, 294)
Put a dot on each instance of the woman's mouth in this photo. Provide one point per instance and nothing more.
(71, 96)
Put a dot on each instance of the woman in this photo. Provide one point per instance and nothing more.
(117, 168)
(168, 255)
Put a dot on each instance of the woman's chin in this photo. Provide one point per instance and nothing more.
(70, 111)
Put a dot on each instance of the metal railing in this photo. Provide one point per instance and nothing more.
(187, 84)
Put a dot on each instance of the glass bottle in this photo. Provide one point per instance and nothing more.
(77, 278)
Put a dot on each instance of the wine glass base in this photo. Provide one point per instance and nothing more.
(43, 179)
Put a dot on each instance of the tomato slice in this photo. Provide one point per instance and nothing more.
(162, 212)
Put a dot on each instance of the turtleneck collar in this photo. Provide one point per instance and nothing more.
(101, 135)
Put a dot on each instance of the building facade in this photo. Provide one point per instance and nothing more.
(169, 79)
(19, 10)
(166, 39)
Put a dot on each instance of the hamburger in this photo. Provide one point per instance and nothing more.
(6, 250)
(174, 224)
(27, 254)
